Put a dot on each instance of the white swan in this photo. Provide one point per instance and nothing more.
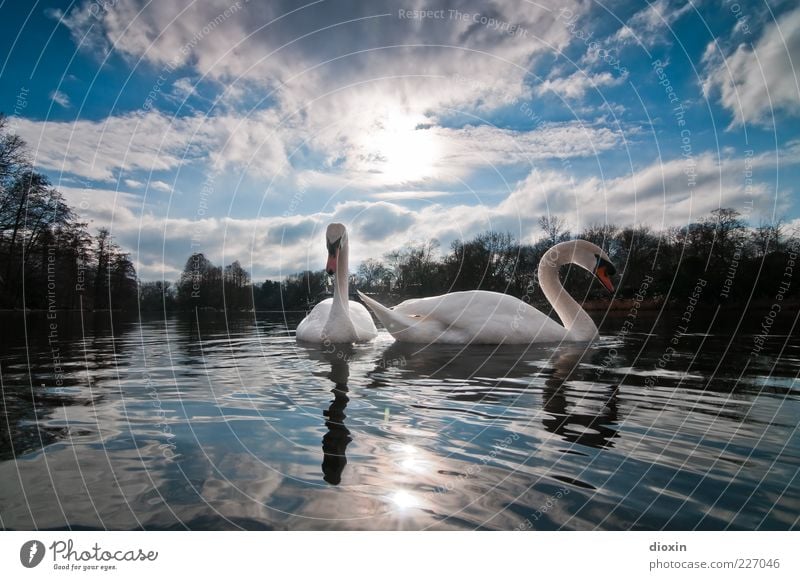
(481, 317)
(337, 319)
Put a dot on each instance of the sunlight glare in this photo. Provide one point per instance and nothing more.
(404, 500)
(400, 150)
(409, 462)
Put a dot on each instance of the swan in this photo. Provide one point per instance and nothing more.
(337, 319)
(482, 317)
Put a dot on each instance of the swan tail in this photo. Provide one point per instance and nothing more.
(394, 322)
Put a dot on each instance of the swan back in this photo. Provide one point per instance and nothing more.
(481, 317)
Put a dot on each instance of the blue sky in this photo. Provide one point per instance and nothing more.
(241, 128)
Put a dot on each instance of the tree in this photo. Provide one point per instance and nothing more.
(373, 274)
(238, 293)
(102, 260)
(268, 295)
(767, 237)
(603, 235)
(487, 261)
(637, 248)
(24, 198)
(40, 240)
(115, 283)
(416, 268)
(122, 282)
(156, 296)
(12, 154)
(303, 289)
(554, 228)
(201, 284)
(729, 232)
(524, 278)
(47, 258)
(675, 258)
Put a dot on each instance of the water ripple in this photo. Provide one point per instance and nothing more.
(232, 425)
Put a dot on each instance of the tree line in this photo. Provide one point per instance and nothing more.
(50, 261)
(48, 258)
(738, 263)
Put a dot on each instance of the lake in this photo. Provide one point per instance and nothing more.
(210, 421)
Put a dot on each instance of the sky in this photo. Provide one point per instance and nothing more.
(240, 129)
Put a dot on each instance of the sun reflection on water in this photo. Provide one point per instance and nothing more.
(404, 500)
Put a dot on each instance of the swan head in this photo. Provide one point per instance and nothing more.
(596, 261)
(588, 256)
(336, 240)
(603, 270)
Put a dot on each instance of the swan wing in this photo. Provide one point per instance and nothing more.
(310, 328)
(477, 316)
(398, 324)
(362, 321)
(480, 316)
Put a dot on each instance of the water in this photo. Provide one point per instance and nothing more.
(223, 422)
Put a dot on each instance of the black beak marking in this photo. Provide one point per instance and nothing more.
(333, 247)
(601, 262)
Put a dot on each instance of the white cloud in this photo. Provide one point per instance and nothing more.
(271, 246)
(754, 83)
(415, 194)
(132, 183)
(661, 195)
(99, 149)
(360, 93)
(183, 88)
(152, 141)
(651, 25)
(161, 186)
(647, 28)
(342, 61)
(792, 227)
(225, 39)
(60, 98)
(104, 208)
(578, 83)
(449, 155)
(389, 150)
(486, 145)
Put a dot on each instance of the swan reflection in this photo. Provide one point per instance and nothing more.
(593, 427)
(336, 440)
(504, 373)
(337, 437)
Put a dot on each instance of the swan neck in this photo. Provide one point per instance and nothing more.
(574, 318)
(341, 287)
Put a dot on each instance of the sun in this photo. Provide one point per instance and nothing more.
(401, 148)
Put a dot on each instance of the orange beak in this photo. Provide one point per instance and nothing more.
(330, 267)
(604, 278)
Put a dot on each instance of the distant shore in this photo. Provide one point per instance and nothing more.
(390, 300)
(625, 304)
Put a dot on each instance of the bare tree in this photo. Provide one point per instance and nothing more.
(601, 235)
(372, 273)
(554, 228)
(238, 292)
(12, 153)
(767, 237)
(487, 261)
